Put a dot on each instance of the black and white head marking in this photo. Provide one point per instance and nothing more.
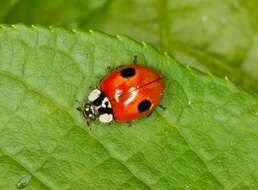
(98, 107)
(94, 94)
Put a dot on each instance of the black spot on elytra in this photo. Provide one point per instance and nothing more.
(144, 105)
(128, 72)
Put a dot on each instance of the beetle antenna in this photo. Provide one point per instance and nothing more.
(80, 109)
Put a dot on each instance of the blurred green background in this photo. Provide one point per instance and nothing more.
(217, 36)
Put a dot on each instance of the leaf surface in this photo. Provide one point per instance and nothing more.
(214, 36)
(207, 137)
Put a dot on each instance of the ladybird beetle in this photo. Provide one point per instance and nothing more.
(128, 93)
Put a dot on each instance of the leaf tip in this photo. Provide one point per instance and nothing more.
(14, 26)
(210, 74)
(74, 30)
(118, 37)
(165, 54)
(91, 31)
(144, 44)
(226, 78)
(188, 67)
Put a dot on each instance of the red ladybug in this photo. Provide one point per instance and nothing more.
(129, 92)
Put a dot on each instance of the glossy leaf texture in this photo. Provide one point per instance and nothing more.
(216, 36)
(207, 137)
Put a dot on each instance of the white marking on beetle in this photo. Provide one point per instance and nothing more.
(94, 95)
(133, 93)
(105, 118)
(118, 94)
(103, 104)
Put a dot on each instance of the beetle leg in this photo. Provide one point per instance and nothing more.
(129, 124)
(149, 114)
(109, 69)
(135, 59)
(162, 107)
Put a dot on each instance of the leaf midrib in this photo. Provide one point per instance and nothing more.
(65, 108)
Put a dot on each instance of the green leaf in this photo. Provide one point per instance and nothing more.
(216, 36)
(207, 138)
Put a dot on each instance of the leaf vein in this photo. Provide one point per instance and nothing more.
(65, 108)
(198, 155)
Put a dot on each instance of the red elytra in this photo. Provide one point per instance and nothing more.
(133, 90)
